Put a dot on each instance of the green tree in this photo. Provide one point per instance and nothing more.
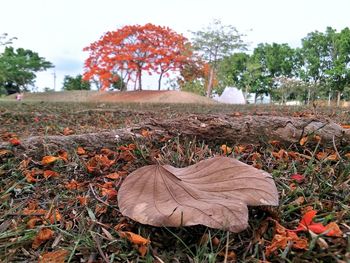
(244, 72)
(314, 62)
(214, 43)
(18, 68)
(275, 60)
(75, 83)
(338, 72)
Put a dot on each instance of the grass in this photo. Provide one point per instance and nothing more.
(89, 231)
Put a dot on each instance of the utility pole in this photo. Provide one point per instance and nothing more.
(54, 79)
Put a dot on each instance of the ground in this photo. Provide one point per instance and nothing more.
(145, 96)
(60, 204)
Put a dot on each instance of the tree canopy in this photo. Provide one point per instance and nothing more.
(75, 83)
(214, 43)
(18, 68)
(130, 50)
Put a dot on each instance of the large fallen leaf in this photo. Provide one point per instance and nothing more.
(213, 192)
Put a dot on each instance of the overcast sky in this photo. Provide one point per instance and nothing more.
(59, 29)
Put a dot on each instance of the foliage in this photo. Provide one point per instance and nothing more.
(339, 54)
(18, 68)
(75, 83)
(244, 72)
(195, 86)
(193, 76)
(131, 50)
(214, 43)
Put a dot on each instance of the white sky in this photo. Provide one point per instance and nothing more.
(59, 29)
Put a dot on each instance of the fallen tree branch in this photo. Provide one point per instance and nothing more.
(251, 129)
(218, 129)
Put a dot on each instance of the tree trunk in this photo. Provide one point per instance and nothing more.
(329, 98)
(160, 80)
(139, 75)
(308, 96)
(210, 82)
(135, 84)
(212, 129)
(338, 98)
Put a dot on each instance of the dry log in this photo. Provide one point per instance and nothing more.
(218, 129)
(252, 129)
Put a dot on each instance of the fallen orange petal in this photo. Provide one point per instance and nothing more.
(142, 250)
(80, 151)
(15, 141)
(48, 160)
(48, 173)
(303, 140)
(113, 176)
(334, 230)
(43, 235)
(83, 200)
(134, 238)
(58, 256)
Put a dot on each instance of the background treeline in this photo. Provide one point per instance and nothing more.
(319, 69)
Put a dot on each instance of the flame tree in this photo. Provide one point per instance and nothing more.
(131, 50)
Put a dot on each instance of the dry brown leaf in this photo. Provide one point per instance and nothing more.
(213, 192)
(43, 235)
(57, 256)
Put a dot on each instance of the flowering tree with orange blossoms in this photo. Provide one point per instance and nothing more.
(133, 49)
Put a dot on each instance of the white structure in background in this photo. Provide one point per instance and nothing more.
(294, 103)
(231, 95)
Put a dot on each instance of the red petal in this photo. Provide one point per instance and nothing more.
(317, 228)
(308, 217)
(298, 178)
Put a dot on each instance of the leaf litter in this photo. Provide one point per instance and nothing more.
(55, 204)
